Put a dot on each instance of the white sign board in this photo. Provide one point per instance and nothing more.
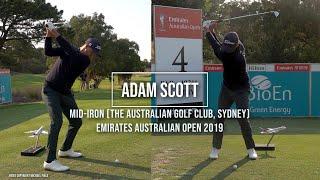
(178, 48)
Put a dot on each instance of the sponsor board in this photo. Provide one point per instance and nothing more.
(315, 90)
(276, 89)
(178, 48)
(5, 86)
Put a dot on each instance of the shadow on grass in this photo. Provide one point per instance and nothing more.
(115, 164)
(196, 169)
(105, 95)
(94, 94)
(295, 126)
(266, 156)
(94, 175)
(97, 94)
(40, 154)
(229, 170)
(12, 115)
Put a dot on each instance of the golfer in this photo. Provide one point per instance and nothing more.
(57, 93)
(235, 87)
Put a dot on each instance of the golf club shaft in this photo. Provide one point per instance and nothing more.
(37, 141)
(249, 15)
(276, 13)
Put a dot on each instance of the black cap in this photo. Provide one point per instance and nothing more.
(230, 42)
(95, 45)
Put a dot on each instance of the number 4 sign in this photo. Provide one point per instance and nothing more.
(178, 48)
(182, 63)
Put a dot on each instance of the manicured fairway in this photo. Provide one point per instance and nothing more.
(100, 150)
(296, 155)
(146, 156)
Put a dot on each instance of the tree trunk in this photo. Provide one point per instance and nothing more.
(2, 41)
(97, 83)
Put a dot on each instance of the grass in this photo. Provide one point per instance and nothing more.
(21, 80)
(186, 156)
(143, 156)
(101, 150)
(27, 87)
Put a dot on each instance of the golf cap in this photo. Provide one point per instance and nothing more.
(230, 42)
(95, 45)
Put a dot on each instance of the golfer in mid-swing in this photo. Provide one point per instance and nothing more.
(57, 93)
(235, 86)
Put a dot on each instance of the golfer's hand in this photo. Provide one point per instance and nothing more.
(206, 29)
(213, 26)
(48, 33)
(54, 33)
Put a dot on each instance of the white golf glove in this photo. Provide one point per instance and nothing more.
(206, 24)
(50, 26)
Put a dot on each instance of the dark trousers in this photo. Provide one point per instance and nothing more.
(57, 104)
(226, 98)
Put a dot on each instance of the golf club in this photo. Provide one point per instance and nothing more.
(208, 22)
(52, 25)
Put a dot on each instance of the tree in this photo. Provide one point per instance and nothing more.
(117, 54)
(127, 58)
(196, 4)
(145, 66)
(292, 37)
(22, 19)
(84, 27)
(22, 56)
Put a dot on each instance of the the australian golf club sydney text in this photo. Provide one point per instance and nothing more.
(168, 113)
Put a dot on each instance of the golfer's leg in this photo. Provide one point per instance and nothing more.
(242, 102)
(52, 100)
(68, 103)
(225, 101)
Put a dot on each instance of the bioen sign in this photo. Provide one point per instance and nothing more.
(276, 89)
(5, 86)
(262, 89)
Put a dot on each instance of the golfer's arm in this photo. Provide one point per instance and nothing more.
(49, 50)
(66, 46)
(215, 43)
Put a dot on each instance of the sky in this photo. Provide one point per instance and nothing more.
(130, 18)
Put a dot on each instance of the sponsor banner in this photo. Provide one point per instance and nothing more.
(263, 67)
(174, 22)
(178, 48)
(315, 90)
(292, 67)
(4, 71)
(257, 67)
(315, 67)
(279, 94)
(214, 86)
(275, 90)
(315, 100)
(213, 68)
(5, 86)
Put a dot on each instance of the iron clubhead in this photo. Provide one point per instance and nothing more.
(276, 13)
